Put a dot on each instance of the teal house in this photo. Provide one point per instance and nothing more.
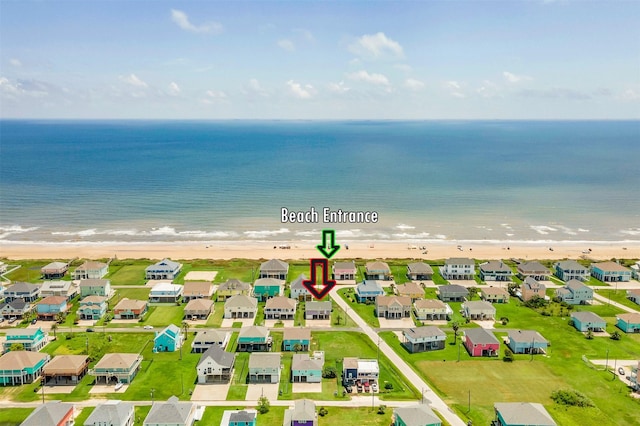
(240, 418)
(254, 339)
(588, 321)
(522, 413)
(92, 307)
(20, 367)
(32, 339)
(629, 323)
(168, 340)
(416, 415)
(265, 288)
(296, 336)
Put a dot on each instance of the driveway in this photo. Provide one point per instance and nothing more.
(318, 323)
(396, 323)
(307, 387)
(211, 392)
(255, 391)
(228, 322)
(270, 323)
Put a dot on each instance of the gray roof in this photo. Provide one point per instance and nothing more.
(23, 331)
(241, 301)
(317, 306)
(370, 285)
(17, 304)
(571, 264)
(459, 261)
(268, 282)
(304, 362)
(533, 283)
(297, 283)
(242, 416)
(254, 331)
(219, 355)
(533, 267)
(495, 265)
(524, 413)
(264, 360)
(526, 336)
(274, 265)
(164, 262)
(575, 285)
(417, 415)
(50, 413)
(420, 268)
(93, 282)
(474, 305)
(22, 287)
(171, 412)
(296, 333)
(428, 331)
(304, 410)
(586, 316)
(210, 336)
(344, 265)
(234, 284)
(111, 412)
(480, 336)
(453, 288)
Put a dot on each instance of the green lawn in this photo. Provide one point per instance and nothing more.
(128, 272)
(619, 296)
(215, 319)
(437, 277)
(366, 312)
(84, 414)
(355, 416)
(238, 388)
(339, 318)
(14, 416)
(242, 269)
(131, 293)
(163, 315)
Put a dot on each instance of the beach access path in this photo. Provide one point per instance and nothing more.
(436, 402)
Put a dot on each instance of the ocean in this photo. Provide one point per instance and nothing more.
(117, 181)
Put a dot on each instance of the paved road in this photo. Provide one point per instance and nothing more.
(436, 402)
(614, 303)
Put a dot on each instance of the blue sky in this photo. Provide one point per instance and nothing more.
(320, 59)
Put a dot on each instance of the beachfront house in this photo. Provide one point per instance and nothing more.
(411, 290)
(495, 270)
(232, 287)
(116, 368)
(377, 271)
(344, 271)
(368, 290)
(173, 412)
(458, 268)
(533, 269)
(296, 339)
(169, 339)
(531, 288)
(205, 339)
(21, 290)
(165, 292)
(588, 321)
(91, 270)
(298, 291)
(393, 307)
(526, 341)
(196, 290)
(610, 272)
(54, 270)
(575, 292)
(494, 295)
(570, 270)
(422, 339)
(95, 287)
(21, 367)
(111, 413)
(264, 288)
(522, 413)
(419, 271)
(49, 307)
(307, 369)
(240, 306)
(215, 365)
(65, 370)
(66, 289)
(54, 413)
(254, 339)
(264, 368)
(274, 268)
(628, 322)
(634, 295)
(480, 342)
(17, 308)
(364, 370)
(130, 309)
(92, 308)
(415, 415)
(303, 413)
(31, 339)
(198, 309)
(317, 310)
(452, 293)
(478, 310)
(432, 309)
(281, 308)
(164, 270)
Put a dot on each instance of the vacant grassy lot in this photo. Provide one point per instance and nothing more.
(128, 272)
(355, 416)
(14, 416)
(163, 315)
(619, 296)
(366, 312)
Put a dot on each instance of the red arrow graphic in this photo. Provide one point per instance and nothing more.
(327, 284)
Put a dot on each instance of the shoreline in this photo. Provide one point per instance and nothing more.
(489, 250)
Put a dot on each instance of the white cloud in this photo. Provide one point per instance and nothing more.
(286, 44)
(182, 20)
(630, 95)
(455, 89)
(133, 80)
(15, 62)
(254, 89)
(488, 89)
(413, 84)
(513, 78)
(174, 89)
(214, 94)
(373, 78)
(375, 46)
(301, 92)
(338, 87)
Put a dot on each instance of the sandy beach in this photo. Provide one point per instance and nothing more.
(307, 250)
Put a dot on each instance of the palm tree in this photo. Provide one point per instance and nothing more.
(616, 335)
(54, 327)
(455, 327)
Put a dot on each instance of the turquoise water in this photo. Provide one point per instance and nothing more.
(191, 180)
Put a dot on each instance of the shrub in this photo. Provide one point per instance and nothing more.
(504, 320)
(381, 409)
(571, 398)
(508, 355)
(388, 386)
(323, 412)
(329, 372)
(263, 405)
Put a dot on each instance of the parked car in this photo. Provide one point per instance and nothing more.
(148, 327)
(359, 387)
(621, 371)
(374, 387)
(348, 388)
(118, 385)
(12, 320)
(33, 321)
(366, 387)
(89, 330)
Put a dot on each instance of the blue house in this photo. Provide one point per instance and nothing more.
(92, 307)
(296, 336)
(417, 415)
(588, 321)
(368, 290)
(527, 341)
(168, 340)
(629, 323)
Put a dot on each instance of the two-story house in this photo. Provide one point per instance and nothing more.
(480, 342)
(31, 339)
(296, 339)
(495, 270)
(198, 309)
(478, 310)
(432, 309)
(232, 287)
(363, 370)
(21, 290)
(415, 415)
(531, 288)
(526, 341)
(452, 293)
(116, 368)
(570, 270)
(419, 271)
(91, 270)
(21, 367)
(410, 290)
(264, 288)
(54, 270)
(49, 307)
(166, 269)
(215, 365)
(173, 412)
(575, 293)
(92, 307)
(130, 309)
(458, 268)
(344, 271)
(317, 310)
(393, 307)
(533, 269)
(264, 367)
(303, 413)
(422, 339)
(274, 268)
(307, 369)
(205, 339)
(282, 308)
(240, 306)
(111, 413)
(17, 308)
(494, 295)
(95, 287)
(368, 290)
(298, 291)
(196, 290)
(254, 339)
(169, 339)
(165, 292)
(377, 271)
(66, 289)
(610, 272)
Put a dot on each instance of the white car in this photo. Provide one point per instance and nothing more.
(148, 327)
(374, 387)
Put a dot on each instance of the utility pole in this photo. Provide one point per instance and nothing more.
(42, 383)
(606, 362)
(469, 409)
